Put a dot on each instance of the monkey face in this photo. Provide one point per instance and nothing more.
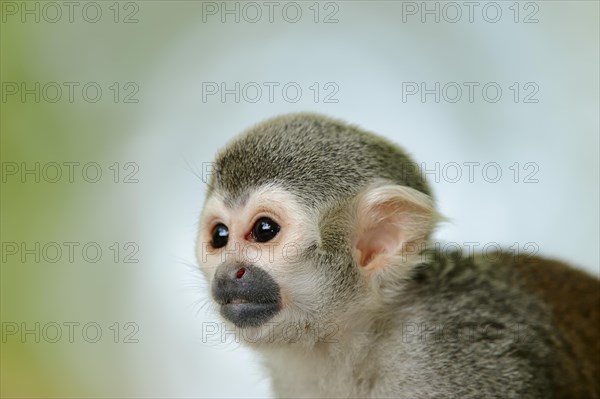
(254, 254)
(308, 222)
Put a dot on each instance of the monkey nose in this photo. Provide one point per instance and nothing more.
(248, 295)
(240, 273)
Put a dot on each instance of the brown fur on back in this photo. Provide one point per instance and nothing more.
(574, 299)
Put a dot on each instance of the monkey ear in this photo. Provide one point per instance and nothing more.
(392, 225)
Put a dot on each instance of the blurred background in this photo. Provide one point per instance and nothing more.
(112, 111)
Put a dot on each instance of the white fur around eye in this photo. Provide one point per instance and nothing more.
(298, 227)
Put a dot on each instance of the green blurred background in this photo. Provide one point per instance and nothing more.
(154, 127)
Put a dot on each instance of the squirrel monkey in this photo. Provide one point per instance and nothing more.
(314, 239)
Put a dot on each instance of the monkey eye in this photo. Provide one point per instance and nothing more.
(220, 236)
(265, 230)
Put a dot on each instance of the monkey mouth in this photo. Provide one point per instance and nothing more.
(236, 301)
(243, 313)
(248, 310)
(240, 299)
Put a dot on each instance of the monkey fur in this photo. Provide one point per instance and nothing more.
(361, 306)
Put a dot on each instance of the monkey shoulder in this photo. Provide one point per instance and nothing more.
(489, 327)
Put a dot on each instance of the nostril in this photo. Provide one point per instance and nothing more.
(240, 273)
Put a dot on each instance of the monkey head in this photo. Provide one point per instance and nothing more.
(309, 223)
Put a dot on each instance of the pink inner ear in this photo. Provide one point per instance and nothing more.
(387, 218)
(384, 237)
